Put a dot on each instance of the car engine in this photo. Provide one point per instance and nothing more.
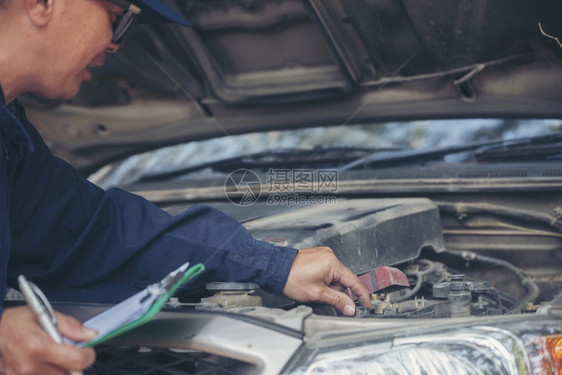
(397, 247)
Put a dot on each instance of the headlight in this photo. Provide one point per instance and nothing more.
(532, 346)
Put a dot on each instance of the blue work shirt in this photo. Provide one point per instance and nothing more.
(81, 243)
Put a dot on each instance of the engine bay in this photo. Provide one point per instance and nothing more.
(434, 288)
(398, 248)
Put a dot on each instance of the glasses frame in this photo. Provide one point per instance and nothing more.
(122, 25)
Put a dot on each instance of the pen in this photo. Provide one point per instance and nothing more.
(42, 310)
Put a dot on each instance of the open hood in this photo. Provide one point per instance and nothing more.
(250, 65)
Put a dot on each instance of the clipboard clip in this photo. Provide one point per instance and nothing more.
(171, 280)
(162, 288)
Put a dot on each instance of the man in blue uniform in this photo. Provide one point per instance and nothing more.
(80, 243)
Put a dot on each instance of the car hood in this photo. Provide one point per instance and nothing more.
(254, 65)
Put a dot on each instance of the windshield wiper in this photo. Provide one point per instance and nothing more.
(543, 147)
(282, 158)
(548, 147)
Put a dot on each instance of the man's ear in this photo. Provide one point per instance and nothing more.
(39, 11)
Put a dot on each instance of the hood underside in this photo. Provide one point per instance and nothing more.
(252, 65)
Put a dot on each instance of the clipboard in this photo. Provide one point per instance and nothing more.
(139, 308)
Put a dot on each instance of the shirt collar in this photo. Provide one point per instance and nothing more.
(11, 123)
(2, 99)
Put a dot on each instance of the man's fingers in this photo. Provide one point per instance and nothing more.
(27, 349)
(317, 275)
(70, 357)
(339, 300)
(338, 287)
(58, 356)
(39, 354)
(73, 329)
(29, 368)
(350, 280)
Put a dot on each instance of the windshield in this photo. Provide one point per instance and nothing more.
(419, 135)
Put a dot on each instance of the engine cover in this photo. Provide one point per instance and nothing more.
(364, 233)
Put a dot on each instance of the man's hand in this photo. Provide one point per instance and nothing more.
(26, 349)
(318, 276)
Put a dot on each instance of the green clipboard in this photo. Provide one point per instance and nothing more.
(139, 308)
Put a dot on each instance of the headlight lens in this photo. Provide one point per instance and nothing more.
(498, 349)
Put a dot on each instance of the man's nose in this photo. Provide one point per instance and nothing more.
(112, 48)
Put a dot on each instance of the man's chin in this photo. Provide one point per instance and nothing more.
(66, 93)
(70, 95)
(64, 90)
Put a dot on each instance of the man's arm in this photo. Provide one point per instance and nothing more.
(83, 244)
(80, 243)
(25, 348)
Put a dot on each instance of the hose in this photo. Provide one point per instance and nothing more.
(514, 213)
(419, 280)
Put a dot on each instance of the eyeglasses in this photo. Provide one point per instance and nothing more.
(123, 23)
